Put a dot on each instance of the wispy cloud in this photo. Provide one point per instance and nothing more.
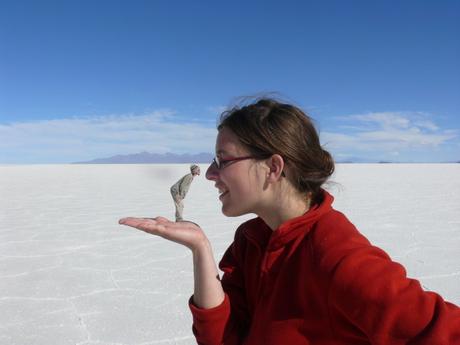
(389, 135)
(399, 136)
(82, 138)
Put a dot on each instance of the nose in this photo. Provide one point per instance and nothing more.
(212, 172)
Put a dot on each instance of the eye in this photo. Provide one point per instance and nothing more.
(224, 162)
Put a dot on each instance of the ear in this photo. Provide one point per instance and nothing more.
(276, 166)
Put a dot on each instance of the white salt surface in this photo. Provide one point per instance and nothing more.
(69, 274)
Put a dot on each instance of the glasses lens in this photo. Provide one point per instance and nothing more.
(216, 162)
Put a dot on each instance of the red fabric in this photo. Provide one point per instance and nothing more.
(317, 280)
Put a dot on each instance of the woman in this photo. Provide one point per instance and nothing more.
(299, 273)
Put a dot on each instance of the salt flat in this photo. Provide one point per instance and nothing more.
(69, 274)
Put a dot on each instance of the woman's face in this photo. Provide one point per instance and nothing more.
(240, 183)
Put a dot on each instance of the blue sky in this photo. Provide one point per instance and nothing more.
(87, 79)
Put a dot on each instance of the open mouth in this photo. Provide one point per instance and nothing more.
(223, 194)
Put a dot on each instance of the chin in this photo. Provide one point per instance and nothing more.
(229, 212)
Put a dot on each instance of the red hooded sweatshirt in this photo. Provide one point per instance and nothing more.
(317, 280)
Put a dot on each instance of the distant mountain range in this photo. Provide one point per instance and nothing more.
(147, 157)
(204, 157)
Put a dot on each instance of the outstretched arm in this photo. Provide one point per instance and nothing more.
(208, 292)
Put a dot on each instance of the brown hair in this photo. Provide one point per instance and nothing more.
(267, 126)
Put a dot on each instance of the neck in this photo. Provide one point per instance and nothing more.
(284, 209)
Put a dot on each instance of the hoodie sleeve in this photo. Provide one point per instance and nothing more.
(226, 323)
(375, 294)
(372, 296)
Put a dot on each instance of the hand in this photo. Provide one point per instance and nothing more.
(186, 233)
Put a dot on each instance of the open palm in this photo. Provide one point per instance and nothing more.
(186, 233)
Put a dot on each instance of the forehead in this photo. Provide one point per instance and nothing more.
(227, 143)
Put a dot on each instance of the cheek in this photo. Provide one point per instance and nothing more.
(245, 194)
(244, 191)
(241, 185)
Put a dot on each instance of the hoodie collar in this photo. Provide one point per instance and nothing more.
(264, 237)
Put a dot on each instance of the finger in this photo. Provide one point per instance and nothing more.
(133, 220)
(140, 223)
(145, 224)
(125, 220)
(151, 227)
(121, 220)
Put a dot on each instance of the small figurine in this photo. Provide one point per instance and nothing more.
(180, 188)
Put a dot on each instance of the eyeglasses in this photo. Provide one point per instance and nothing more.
(222, 163)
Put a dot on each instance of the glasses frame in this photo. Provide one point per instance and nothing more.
(221, 164)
